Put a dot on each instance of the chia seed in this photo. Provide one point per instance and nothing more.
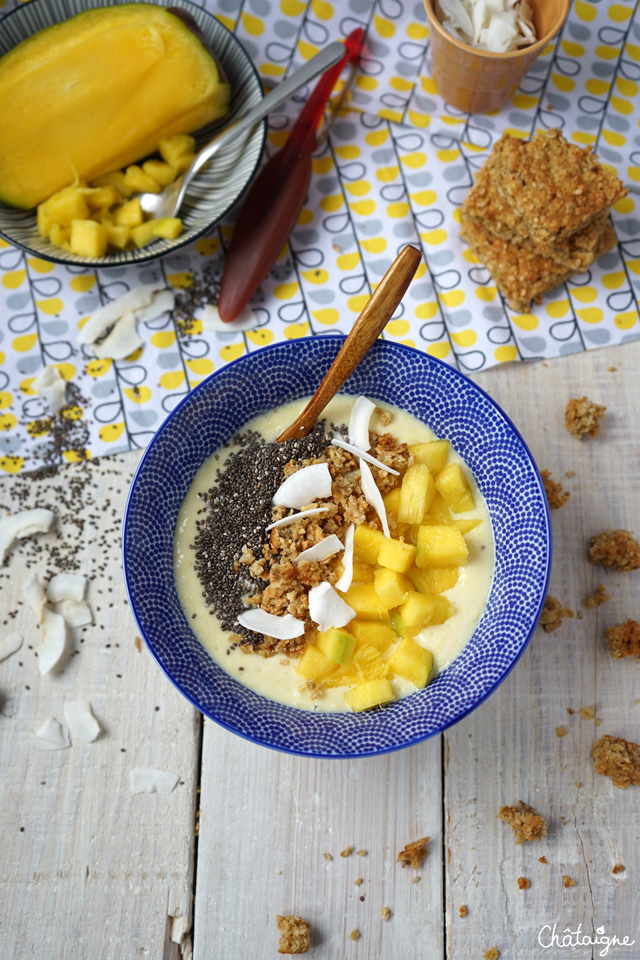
(237, 510)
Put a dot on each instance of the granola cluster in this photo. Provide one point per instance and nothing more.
(582, 417)
(615, 549)
(623, 639)
(618, 759)
(553, 613)
(525, 822)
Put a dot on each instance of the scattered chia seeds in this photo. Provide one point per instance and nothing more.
(238, 508)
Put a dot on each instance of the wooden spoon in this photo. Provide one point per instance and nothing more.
(366, 330)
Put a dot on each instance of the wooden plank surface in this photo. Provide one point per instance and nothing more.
(97, 872)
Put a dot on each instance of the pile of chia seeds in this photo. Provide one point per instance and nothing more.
(237, 509)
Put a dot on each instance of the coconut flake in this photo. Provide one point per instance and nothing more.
(121, 342)
(152, 781)
(50, 736)
(498, 26)
(285, 521)
(53, 648)
(373, 496)
(50, 385)
(321, 551)
(359, 422)
(34, 594)
(344, 582)
(80, 720)
(162, 302)
(327, 609)
(363, 455)
(75, 614)
(280, 628)
(23, 524)
(211, 320)
(304, 486)
(9, 645)
(66, 586)
(105, 316)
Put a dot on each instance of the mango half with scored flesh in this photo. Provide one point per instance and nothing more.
(98, 92)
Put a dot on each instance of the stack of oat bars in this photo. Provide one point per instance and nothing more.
(538, 213)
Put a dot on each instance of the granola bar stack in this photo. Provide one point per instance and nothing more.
(537, 213)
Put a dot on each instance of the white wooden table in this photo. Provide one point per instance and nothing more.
(89, 871)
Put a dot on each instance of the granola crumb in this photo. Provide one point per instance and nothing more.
(553, 613)
(618, 868)
(361, 853)
(587, 713)
(616, 549)
(415, 879)
(385, 913)
(542, 860)
(463, 911)
(492, 954)
(358, 882)
(354, 935)
(623, 639)
(617, 758)
(556, 497)
(414, 853)
(570, 711)
(294, 934)
(568, 882)
(597, 598)
(346, 852)
(525, 822)
(578, 784)
(327, 856)
(579, 614)
(597, 722)
(523, 883)
(569, 474)
(561, 732)
(583, 417)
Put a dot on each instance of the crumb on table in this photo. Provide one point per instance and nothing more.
(568, 882)
(294, 934)
(561, 732)
(525, 822)
(616, 549)
(598, 597)
(492, 954)
(623, 639)
(618, 759)
(327, 856)
(413, 853)
(556, 497)
(354, 935)
(553, 613)
(463, 911)
(587, 713)
(346, 852)
(542, 860)
(523, 883)
(582, 416)
(618, 868)
(385, 913)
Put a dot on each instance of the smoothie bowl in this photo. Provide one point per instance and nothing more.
(484, 616)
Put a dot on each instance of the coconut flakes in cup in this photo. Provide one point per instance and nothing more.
(498, 26)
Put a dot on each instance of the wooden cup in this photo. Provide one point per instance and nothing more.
(477, 81)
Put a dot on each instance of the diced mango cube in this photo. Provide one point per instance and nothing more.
(433, 454)
(178, 151)
(367, 543)
(337, 645)
(129, 214)
(163, 173)
(411, 661)
(314, 665)
(421, 610)
(367, 664)
(392, 587)
(362, 598)
(454, 488)
(362, 572)
(416, 493)
(466, 526)
(116, 179)
(118, 235)
(438, 512)
(400, 628)
(396, 555)
(88, 238)
(137, 181)
(99, 197)
(66, 205)
(44, 220)
(143, 233)
(440, 546)
(167, 227)
(374, 633)
(433, 579)
(391, 502)
(59, 236)
(370, 694)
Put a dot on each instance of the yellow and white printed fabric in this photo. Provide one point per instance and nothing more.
(394, 170)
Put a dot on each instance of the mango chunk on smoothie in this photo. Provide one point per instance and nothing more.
(434, 454)
(411, 661)
(337, 645)
(314, 665)
(362, 598)
(367, 543)
(374, 633)
(396, 555)
(440, 546)
(421, 610)
(433, 579)
(417, 490)
(454, 488)
(391, 587)
(369, 694)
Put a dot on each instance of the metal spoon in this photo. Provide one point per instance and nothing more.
(167, 203)
(366, 330)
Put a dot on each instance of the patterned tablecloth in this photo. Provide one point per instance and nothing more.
(395, 170)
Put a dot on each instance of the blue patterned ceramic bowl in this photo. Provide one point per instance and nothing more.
(210, 196)
(454, 408)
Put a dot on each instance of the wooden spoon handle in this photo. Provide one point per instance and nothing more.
(366, 330)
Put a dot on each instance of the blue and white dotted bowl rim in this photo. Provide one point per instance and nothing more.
(206, 203)
(454, 407)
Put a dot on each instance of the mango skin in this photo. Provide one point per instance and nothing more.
(98, 92)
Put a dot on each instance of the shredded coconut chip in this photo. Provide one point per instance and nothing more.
(363, 455)
(344, 582)
(109, 314)
(80, 720)
(75, 614)
(373, 496)
(152, 781)
(211, 319)
(66, 586)
(304, 486)
(281, 628)
(322, 550)
(9, 645)
(285, 521)
(327, 609)
(359, 422)
(21, 525)
(50, 385)
(52, 650)
(34, 595)
(121, 342)
(50, 736)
